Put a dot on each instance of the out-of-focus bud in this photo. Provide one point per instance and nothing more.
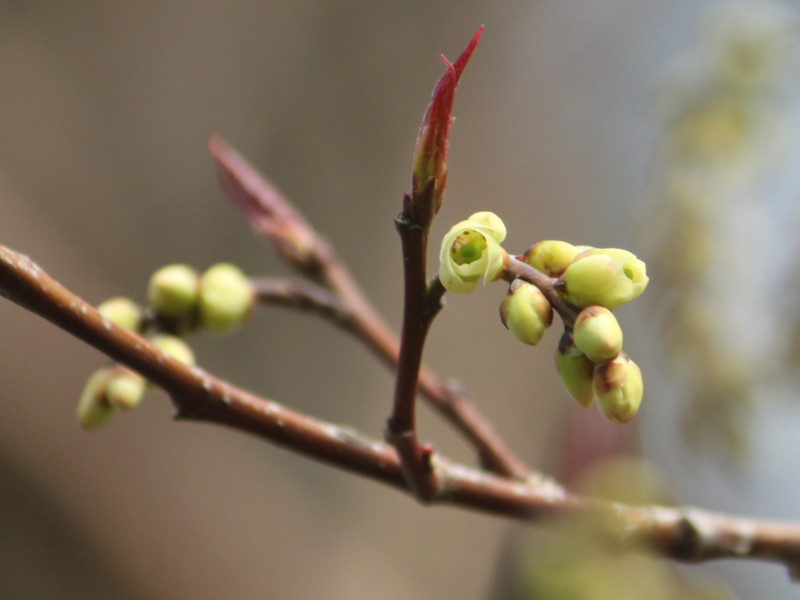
(609, 277)
(618, 386)
(433, 139)
(470, 251)
(575, 370)
(176, 347)
(93, 408)
(125, 388)
(597, 333)
(123, 312)
(172, 291)
(226, 297)
(551, 256)
(526, 312)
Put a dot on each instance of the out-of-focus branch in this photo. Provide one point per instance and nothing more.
(684, 534)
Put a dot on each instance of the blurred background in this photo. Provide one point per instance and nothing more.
(668, 128)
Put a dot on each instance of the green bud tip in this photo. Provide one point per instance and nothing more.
(123, 312)
(619, 388)
(551, 257)
(176, 347)
(125, 388)
(525, 312)
(93, 408)
(575, 371)
(226, 297)
(609, 277)
(172, 291)
(597, 333)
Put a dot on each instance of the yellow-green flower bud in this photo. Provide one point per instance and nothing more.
(172, 291)
(609, 277)
(226, 297)
(123, 312)
(575, 370)
(93, 408)
(526, 312)
(618, 386)
(176, 347)
(125, 388)
(470, 251)
(597, 333)
(551, 256)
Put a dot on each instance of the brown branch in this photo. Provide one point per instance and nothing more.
(401, 426)
(445, 396)
(276, 218)
(518, 269)
(684, 534)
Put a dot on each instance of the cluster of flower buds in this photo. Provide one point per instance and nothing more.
(589, 358)
(218, 300)
(179, 300)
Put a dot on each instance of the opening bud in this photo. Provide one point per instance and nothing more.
(619, 388)
(597, 333)
(609, 277)
(225, 298)
(526, 312)
(93, 407)
(470, 251)
(172, 291)
(551, 256)
(123, 312)
(575, 370)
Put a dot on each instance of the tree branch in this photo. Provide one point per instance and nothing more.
(684, 534)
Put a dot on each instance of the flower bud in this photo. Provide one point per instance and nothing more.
(575, 370)
(526, 312)
(172, 291)
(551, 256)
(125, 388)
(123, 312)
(93, 408)
(597, 333)
(470, 251)
(609, 277)
(433, 139)
(618, 386)
(176, 347)
(226, 297)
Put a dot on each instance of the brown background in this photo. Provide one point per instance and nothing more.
(104, 112)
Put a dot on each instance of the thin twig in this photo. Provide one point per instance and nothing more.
(684, 534)
(494, 454)
(517, 269)
(401, 426)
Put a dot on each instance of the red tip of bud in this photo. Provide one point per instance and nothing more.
(430, 155)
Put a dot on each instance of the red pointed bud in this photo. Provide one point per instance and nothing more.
(430, 154)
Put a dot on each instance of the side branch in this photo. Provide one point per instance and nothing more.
(684, 534)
